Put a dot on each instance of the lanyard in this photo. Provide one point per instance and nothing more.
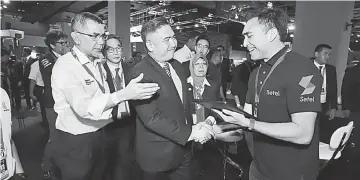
(257, 95)
(90, 73)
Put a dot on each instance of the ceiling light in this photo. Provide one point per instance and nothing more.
(269, 4)
(358, 35)
(291, 35)
(178, 27)
(210, 15)
(4, 6)
(6, 1)
(236, 16)
(356, 41)
(196, 25)
(291, 27)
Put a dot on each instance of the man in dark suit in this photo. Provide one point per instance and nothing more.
(122, 157)
(162, 130)
(224, 69)
(328, 95)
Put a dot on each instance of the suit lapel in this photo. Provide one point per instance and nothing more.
(180, 72)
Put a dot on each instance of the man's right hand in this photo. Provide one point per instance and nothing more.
(137, 90)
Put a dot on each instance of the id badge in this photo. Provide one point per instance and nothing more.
(3, 166)
(194, 117)
(255, 109)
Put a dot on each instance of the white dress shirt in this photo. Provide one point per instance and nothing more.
(184, 54)
(124, 106)
(175, 79)
(5, 125)
(35, 74)
(323, 88)
(79, 101)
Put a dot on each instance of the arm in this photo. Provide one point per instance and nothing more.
(31, 89)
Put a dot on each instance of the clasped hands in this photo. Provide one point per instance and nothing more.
(202, 131)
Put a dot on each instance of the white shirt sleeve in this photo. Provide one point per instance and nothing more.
(34, 71)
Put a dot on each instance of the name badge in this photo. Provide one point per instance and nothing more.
(255, 109)
(194, 118)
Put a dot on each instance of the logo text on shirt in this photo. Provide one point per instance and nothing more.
(307, 99)
(305, 82)
(272, 93)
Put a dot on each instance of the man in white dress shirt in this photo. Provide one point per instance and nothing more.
(187, 51)
(84, 103)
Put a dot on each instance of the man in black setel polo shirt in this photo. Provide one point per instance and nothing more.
(284, 141)
(58, 45)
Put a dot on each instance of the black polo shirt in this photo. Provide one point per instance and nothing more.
(46, 65)
(294, 86)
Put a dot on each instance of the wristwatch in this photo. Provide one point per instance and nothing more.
(251, 124)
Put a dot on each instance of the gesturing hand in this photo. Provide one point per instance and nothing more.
(138, 90)
(202, 133)
(233, 117)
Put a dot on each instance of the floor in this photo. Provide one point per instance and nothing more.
(30, 141)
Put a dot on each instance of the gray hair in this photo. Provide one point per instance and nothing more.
(81, 19)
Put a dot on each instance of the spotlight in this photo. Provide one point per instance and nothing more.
(196, 25)
(236, 16)
(4, 6)
(291, 27)
(358, 35)
(6, 1)
(178, 27)
(269, 4)
(356, 41)
(291, 35)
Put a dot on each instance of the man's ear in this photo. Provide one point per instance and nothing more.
(272, 34)
(75, 38)
(316, 54)
(149, 46)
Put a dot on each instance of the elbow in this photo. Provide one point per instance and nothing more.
(304, 139)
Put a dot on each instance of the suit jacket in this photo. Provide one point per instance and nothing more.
(331, 86)
(46, 65)
(350, 89)
(211, 93)
(127, 120)
(162, 130)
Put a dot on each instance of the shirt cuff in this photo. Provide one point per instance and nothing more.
(114, 98)
(97, 106)
(211, 119)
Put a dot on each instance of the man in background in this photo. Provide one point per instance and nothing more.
(328, 95)
(224, 69)
(187, 51)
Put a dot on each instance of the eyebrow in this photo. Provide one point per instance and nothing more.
(246, 33)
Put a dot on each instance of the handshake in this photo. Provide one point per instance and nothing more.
(202, 132)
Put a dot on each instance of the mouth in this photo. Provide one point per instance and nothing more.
(251, 49)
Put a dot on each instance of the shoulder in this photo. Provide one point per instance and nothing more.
(4, 95)
(64, 64)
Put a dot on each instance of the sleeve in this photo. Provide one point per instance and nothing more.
(303, 90)
(334, 96)
(345, 91)
(87, 103)
(34, 70)
(153, 119)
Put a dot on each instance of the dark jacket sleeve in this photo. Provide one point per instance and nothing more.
(346, 90)
(333, 88)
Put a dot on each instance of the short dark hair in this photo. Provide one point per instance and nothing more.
(221, 46)
(81, 19)
(112, 36)
(320, 47)
(5, 52)
(27, 50)
(202, 37)
(53, 36)
(135, 53)
(272, 18)
(152, 26)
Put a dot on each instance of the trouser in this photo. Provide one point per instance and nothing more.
(51, 116)
(326, 129)
(122, 162)
(183, 172)
(83, 156)
(27, 92)
(38, 93)
(16, 96)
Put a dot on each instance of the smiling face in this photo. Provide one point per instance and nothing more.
(257, 39)
(162, 43)
(200, 67)
(113, 50)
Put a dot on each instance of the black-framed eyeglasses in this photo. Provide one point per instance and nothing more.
(112, 50)
(95, 37)
(63, 43)
(202, 46)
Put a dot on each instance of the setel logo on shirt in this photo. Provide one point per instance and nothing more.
(309, 88)
(272, 93)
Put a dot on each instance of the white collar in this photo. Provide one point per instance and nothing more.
(113, 66)
(56, 54)
(83, 58)
(191, 81)
(318, 65)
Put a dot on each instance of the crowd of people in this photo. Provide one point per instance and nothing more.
(110, 118)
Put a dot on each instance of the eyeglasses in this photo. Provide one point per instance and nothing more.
(202, 46)
(95, 37)
(63, 43)
(112, 50)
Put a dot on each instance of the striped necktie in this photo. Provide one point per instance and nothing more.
(167, 69)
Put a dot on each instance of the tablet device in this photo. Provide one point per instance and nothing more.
(220, 105)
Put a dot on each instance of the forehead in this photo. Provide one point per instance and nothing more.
(113, 42)
(325, 50)
(163, 32)
(93, 27)
(203, 42)
(251, 26)
(200, 60)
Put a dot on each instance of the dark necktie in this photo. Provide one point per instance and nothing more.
(167, 69)
(320, 68)
(118, 82)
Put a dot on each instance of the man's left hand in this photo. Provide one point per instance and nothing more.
(233, 117)
(332, 114)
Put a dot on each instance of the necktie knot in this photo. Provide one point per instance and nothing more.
(167, 69)
(320, 69)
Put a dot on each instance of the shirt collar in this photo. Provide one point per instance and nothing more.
(190, 80)
(56, 54)
(112, 67)
(273, 59)
(81, 56)
(318, 65)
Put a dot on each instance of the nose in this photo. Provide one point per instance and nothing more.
(246, 41)
(173, 42)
